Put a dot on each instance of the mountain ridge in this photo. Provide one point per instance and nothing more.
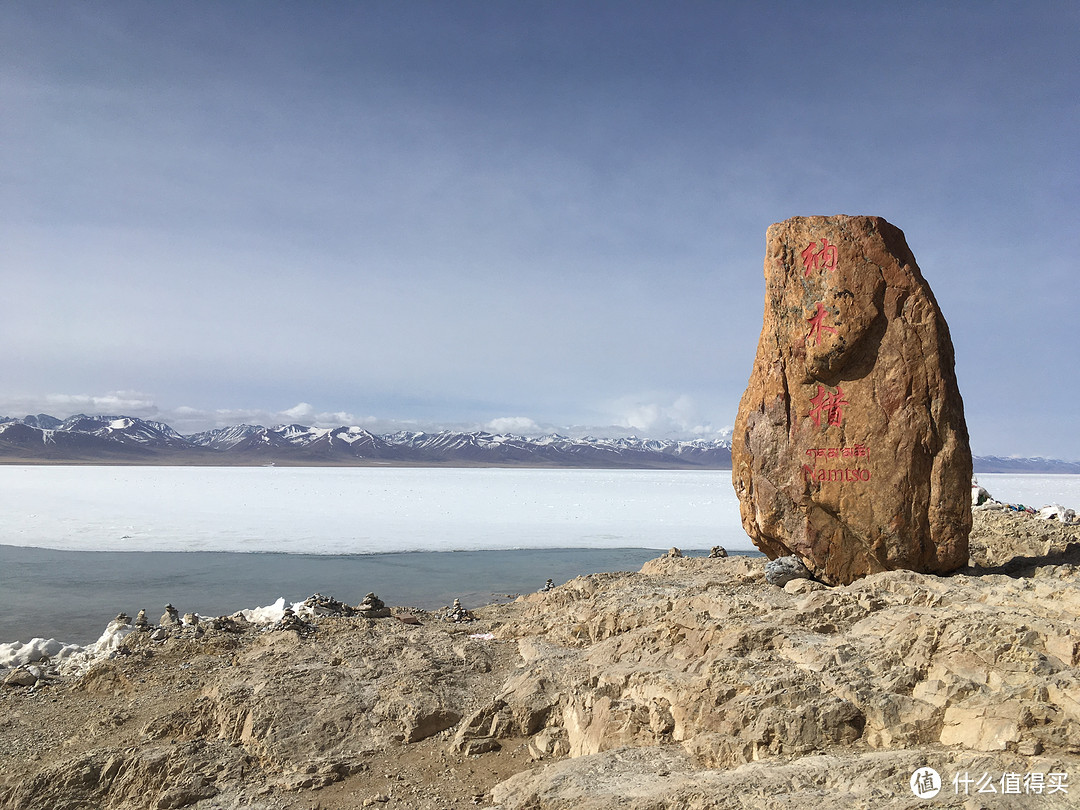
(41, 438)
(123, 439)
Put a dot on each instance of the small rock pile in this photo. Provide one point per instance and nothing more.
(23, 676)
(373, 608)
(228, 624)
(459, 614)
(320, 605)
(170, 618)
(170, 623)
(290, 621)
(983, 501)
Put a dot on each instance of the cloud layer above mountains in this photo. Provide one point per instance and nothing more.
(552, 214)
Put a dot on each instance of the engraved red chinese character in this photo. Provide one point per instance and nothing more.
(820, 259)
(817, 325)
(829, 407)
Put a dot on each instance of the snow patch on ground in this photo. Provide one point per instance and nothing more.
(69, 659)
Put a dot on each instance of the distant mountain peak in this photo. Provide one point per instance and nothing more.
(123, 438)
(118, 438)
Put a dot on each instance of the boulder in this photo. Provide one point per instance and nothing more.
(850, 447)
(21, 677)
(783, 570)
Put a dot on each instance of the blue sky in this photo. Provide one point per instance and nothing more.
(534, 215)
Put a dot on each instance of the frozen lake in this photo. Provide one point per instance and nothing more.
(1033, 490)
(365, 510)
(370, 510)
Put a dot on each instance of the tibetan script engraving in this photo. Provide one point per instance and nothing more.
(858, 451)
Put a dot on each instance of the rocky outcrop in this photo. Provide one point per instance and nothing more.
(665, 778)
(850, 448)
(897, 658)
(693, 683)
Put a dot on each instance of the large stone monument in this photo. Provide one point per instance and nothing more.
(850, 448)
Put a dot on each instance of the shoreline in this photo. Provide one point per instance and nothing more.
(691, 682)
(72, 595)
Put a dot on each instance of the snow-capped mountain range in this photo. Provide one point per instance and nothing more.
(84, 438)
(125, 439)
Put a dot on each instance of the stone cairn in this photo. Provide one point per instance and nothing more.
(850, 448)
(372, 608)
(170, 618)
(321, 605)
(459, 614)
(228, 624)
(290, 621)
(192, 624)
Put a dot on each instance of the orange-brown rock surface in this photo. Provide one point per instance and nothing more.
(850, 447)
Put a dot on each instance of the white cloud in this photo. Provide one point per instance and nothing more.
(187, 419)
(339, 418)
(299, 411)
(127, 403)
(642, 417)
(663, 418)
(522, 425)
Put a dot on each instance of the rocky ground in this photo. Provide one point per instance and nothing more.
(691, 684)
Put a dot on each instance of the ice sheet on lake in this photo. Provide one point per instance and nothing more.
(1035, 491)
(364, 510)
(320, 510)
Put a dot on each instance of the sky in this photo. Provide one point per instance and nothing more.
(519, 216)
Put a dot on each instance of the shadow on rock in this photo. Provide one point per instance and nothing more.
(1027, 566)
